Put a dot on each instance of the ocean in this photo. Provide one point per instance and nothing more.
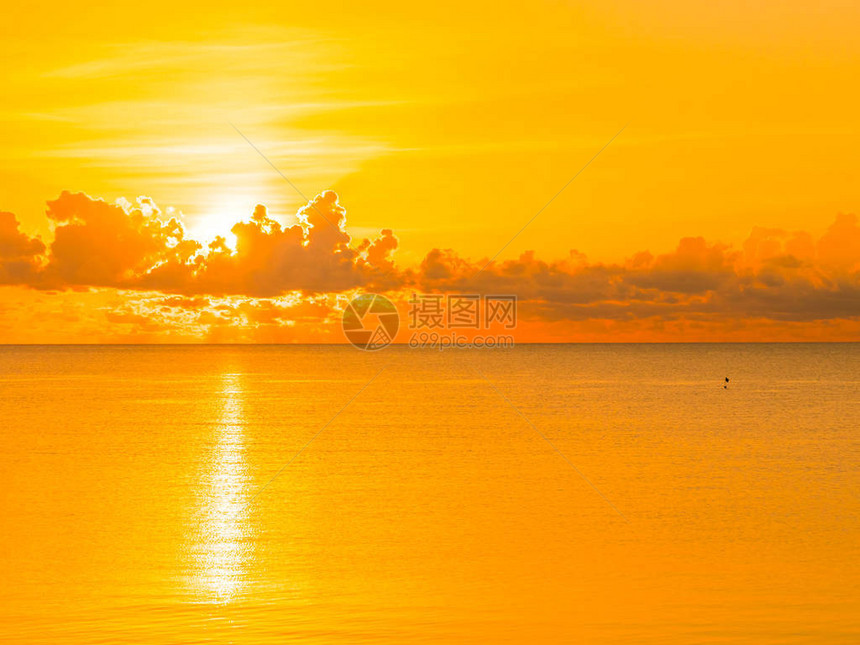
(321, 494)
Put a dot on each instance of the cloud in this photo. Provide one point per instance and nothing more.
(278, 281)
(109, 245)
(131, 246)
(840, 245)
(19, 254)
(776, 275)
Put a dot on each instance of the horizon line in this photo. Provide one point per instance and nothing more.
(637, 342)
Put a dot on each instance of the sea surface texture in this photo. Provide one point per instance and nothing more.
(545, 493)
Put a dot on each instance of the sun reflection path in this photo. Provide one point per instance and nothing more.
(224, 550)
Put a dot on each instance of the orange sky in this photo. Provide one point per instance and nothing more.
(451, 126)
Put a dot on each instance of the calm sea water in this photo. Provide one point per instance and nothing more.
(578, 493)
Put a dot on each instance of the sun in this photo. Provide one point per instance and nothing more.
(217, 218)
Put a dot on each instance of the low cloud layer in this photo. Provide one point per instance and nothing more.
(774, 276)
(132, 246)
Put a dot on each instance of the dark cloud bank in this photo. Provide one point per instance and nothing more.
(777, 275)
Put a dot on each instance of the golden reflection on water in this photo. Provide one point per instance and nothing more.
(223, 550)
(429, 510)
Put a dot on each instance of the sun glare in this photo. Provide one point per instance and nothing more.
(220, 217)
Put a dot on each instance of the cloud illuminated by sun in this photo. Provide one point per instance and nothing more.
(218, 219)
